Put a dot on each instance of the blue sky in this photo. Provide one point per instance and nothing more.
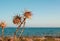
(46, 13)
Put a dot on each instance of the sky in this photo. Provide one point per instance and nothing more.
(45, 13)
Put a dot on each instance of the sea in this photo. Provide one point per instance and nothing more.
(32, 31)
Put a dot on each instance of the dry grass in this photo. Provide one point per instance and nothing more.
(28, 39)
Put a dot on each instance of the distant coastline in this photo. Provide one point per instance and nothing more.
(33, 27)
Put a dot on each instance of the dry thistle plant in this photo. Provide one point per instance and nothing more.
(18, 21)
(3, 25)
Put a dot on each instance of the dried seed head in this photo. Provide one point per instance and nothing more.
(17, 19)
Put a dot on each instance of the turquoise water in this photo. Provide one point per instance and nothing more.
(9, 31)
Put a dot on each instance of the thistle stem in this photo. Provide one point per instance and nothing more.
(19, 27)
(23, 28)
(2, 33)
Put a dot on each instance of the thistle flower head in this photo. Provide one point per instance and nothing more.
(27, 14)
(3, 24)
(17, 19)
